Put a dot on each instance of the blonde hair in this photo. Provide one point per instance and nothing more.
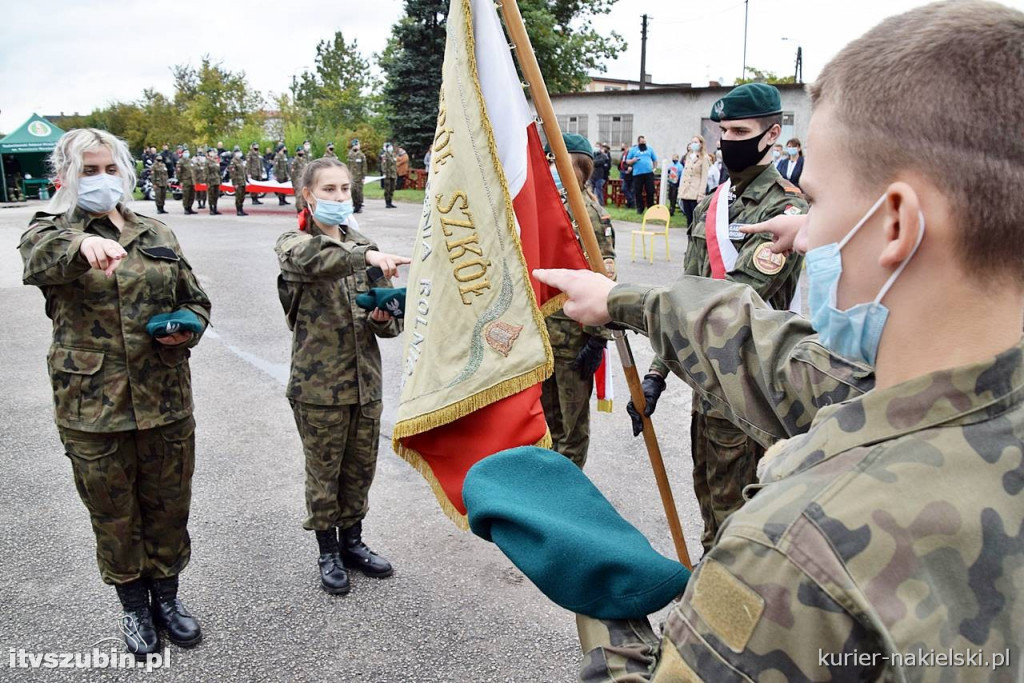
(66, 164)
(940, 82)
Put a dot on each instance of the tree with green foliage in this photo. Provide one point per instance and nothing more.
(213, 100)
(337, 91)
(567, 49)
(763, 76)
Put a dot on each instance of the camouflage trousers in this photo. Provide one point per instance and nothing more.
(389, 189)
(724, 461)
(239, 200)
(565, 397)
(618, 650)
(357, 194)
(188, 193)
(137, 487)
(160, 196)
(212, 195)
(340, 444)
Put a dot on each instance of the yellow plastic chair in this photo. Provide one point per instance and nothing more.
(658, 212)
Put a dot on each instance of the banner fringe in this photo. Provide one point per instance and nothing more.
(419, 463)
(554, 305)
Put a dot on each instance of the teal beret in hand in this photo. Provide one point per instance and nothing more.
(165, 324)
(748, 101)
(388, 299)
(563, 534)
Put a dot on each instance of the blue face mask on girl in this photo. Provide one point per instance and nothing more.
(99, 193)
(856, 332)
(332, 213)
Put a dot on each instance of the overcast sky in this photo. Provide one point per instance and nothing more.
(75, 55)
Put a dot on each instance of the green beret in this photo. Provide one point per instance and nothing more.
(576, 144)
(388, 299)
(748, 101)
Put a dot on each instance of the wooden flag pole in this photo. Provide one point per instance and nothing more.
(542, 101)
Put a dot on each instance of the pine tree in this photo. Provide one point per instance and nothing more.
(412, 64)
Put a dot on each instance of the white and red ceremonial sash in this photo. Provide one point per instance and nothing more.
(721, 251)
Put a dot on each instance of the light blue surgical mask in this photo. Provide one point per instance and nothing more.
(694, 146)
(99, 193)
(856, 332)
(776, 154)
(792, 151)
(558, 181)
(332, 213)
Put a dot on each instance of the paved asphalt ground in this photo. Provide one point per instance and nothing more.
(455, 610)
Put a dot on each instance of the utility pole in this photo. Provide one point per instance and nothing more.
(746, 15)
(643, 53)
(799, 76)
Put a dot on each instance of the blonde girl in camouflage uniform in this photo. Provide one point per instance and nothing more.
(335, 384)
(123, 398)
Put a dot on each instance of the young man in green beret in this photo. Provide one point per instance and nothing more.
(724, 457)
(886, 542)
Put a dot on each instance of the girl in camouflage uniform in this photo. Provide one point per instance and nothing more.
(123, 398)
(335, 383)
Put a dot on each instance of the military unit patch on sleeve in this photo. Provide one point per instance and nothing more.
(792, 210)
(767, 261)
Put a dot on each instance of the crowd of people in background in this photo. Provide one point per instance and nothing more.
(690, 176)
(181, 171)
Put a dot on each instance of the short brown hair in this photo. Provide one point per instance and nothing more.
(939, 91)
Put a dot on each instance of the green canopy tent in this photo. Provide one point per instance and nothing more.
(27, 149)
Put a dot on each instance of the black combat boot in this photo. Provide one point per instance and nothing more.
(214, 212)
(137, 623)
(390, 206)
(256, 202)
(333, 577)
(357, 556)
(239, 212)
(170, 615)
(190, 212)
(281, 201)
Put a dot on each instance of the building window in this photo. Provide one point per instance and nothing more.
(576, 123)
(615, 129)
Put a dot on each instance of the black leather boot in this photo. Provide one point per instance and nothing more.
(333, 577)
(170, 614)
(239, 212)
(137, 623)
(357, 555)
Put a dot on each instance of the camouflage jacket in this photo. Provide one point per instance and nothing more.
(236, 171)
(298, 167)
(108, 374)
(357, 166)
(158, 174)
(213, 175)
(185, 172)
(388, 165)
(773, 276)
(329, 154)
(893, 528)
(335, 358)
(199, 169)
(568, 336)
(281, 167)
(254, 165)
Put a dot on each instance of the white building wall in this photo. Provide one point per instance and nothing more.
(668, 118)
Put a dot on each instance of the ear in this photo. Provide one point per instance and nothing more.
(901, 224)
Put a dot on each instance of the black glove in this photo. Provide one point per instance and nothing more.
(653, 385)
(590, 356)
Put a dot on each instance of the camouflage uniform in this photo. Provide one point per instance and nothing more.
(158, 176)
(335, 384)
(565, 395)
(212, 184)
(298, 167)
(236, 171)
(357, 168)
(123, 402)
(891, 527)
(199, 173)
(329, 154)
(186, 178)
(724, 458)
(389, 169)
(254, 167)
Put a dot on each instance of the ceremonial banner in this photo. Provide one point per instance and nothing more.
(476, 346)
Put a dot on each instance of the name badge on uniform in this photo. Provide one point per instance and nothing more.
(734, 232)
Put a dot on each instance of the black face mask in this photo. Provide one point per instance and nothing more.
(642, 146)
(740, 154)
